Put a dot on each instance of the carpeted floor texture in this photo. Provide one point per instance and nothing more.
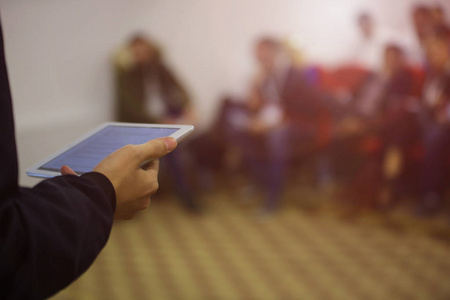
(229, 253)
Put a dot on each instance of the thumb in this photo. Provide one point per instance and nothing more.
(156, 148)
(65, 170)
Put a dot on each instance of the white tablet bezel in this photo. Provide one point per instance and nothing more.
(35, 171)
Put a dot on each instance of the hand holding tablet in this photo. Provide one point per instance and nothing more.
(133, 182)
(87, 152)
(127, 154)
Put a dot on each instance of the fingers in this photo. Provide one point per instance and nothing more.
(134, 182)
(154, 149)
(151, 165)
(66, 170)
(130, 211)
(149, 181)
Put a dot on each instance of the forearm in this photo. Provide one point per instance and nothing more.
(54, 232)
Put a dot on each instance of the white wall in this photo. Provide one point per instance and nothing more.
(58, 52)
(58, 58)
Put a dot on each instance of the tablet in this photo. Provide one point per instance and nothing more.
(85, 153)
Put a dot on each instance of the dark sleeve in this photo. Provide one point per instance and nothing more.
(49, 234)
(52, 233)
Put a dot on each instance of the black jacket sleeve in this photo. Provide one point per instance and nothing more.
(49, 234)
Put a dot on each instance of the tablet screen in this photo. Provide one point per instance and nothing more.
(83, 157)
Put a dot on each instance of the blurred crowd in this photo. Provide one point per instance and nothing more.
(376, 128)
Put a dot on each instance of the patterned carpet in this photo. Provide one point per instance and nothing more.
(228, 253)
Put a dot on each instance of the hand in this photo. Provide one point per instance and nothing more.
(257, 127)
(133, 185)
(66, 170)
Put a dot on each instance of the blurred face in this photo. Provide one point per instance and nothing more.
(422, 21)
(421, 17)
(365, 25)
(437, 52)
(393, 59)
(266, 56)
(437, 15)
(142, 52)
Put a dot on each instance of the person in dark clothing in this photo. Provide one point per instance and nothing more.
(379, 126)
(50, 234)
(435, 117)
(147, 91)
(281, 120)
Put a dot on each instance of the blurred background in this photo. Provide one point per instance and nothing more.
(319, 167)
(59, 53)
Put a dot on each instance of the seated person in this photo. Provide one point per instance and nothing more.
(382, 108)
(278, 120)
(435, 117)
(147, 91)
(381, 91)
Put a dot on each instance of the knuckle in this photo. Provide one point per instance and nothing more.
(145, 204)
(128, 148)
(156, 164)
(159, 148)
(154, 187)
(129, 151)
(129, 216)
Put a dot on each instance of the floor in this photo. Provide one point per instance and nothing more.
(229, 252)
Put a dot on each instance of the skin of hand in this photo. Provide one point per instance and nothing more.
(257, 127)
(132, 183)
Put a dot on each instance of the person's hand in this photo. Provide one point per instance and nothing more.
(256, 127)
(133, 184)
(66, 170)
